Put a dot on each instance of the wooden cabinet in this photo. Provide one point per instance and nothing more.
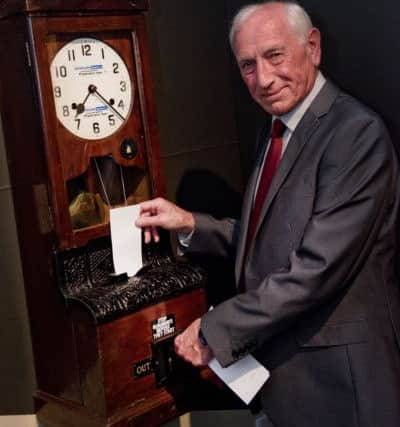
(81, 138)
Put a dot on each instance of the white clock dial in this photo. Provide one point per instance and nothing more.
(92, 88)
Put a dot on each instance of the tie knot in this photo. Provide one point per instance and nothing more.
(278, 127)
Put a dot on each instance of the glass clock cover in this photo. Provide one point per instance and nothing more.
(92, 88)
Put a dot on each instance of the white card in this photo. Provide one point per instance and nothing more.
(126, 240)
(245, 377)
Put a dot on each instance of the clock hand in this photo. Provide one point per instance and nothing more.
(80, 108)
(93, 89)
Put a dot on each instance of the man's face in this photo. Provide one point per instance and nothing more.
(278, 68)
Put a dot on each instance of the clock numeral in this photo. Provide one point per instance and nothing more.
(65, 111)
(123, 86)
(121, 104)
(96, 127)
(111, 120)
(57, 92)
(86, 50)
(115, 68)
(61, 71)
(102, 53)
(78, 123)
(71, 55)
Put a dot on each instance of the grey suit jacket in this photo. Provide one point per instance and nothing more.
(321, 307)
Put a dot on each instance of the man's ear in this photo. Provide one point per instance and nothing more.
(314, 46)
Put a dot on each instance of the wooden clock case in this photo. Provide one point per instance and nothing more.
(97, 364)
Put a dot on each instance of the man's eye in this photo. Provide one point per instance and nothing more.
(276, 57)
(247, 67)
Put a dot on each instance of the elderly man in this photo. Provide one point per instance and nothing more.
(318, 299)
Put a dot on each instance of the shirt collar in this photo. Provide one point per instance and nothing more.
(293, 117)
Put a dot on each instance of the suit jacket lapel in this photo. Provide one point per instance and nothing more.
(248, 200)
(298, 140)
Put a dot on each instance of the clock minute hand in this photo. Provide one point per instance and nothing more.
(107, 103)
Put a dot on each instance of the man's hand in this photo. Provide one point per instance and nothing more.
(188, 346)
(161, 213)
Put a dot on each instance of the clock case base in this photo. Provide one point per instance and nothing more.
(108, 355)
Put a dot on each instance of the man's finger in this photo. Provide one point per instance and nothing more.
(155, 234)
(178, 342)
(151, 205)
(147, 235)
(147, 221)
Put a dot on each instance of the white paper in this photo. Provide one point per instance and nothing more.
(245, 377)
(126, 240)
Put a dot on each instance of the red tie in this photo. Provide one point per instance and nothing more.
(268, 171)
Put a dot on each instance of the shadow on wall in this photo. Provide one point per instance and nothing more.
(202, 191)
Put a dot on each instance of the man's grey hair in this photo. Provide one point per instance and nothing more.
(297, 17)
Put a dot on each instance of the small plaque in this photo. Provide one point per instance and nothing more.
(143, 368)
(163, 327)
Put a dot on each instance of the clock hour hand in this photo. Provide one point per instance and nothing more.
(93, 89)
(80, 108)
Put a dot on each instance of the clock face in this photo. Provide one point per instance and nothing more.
(91, 87)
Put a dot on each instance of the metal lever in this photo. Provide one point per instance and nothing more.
(164, 359)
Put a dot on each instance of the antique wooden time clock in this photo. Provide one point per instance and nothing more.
(81, 139)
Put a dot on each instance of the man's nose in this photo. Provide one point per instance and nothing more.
(265, 74)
